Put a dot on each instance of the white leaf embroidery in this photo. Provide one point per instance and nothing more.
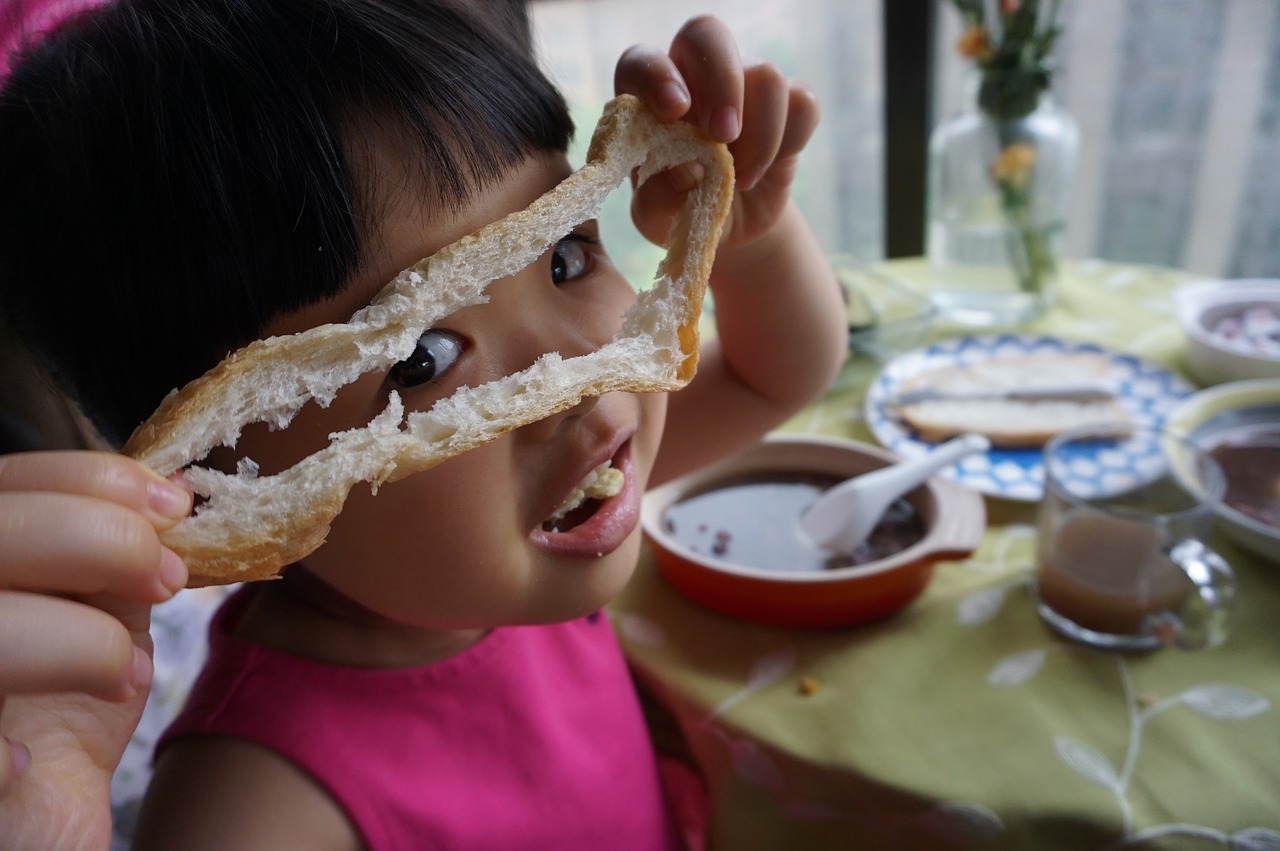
(1017, 668)
(1087, 762)
(754, 765)
(1225, 702)
(980, 606)
(767, 670)
(1014, 534)
(641, 630)
(1256, 839)
(771, 668)
(962, 822)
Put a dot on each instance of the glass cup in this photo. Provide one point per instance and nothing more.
(1121, 562)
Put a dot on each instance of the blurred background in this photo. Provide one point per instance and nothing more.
(1178, 103)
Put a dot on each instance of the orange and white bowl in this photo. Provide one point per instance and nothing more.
(954, 520)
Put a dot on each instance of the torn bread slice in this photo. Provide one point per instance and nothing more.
(250, 526)
(1011, 399)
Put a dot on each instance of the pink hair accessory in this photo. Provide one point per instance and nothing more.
(23, 21)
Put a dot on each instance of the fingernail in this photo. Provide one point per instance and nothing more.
(173, 572)
(685, 177)
(168, 500)
(672, 95)
(19, 757)
(142, 671)
(724, 124)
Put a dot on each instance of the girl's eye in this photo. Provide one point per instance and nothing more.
(570, 258)
(435, 353)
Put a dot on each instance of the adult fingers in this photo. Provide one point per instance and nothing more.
(71, 544)
(101, 475)
(707, 57)
(15, 758)
(649, 74)
(51, 644)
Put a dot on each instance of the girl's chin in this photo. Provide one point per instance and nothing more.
(596, 583)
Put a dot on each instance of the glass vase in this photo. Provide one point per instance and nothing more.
(997, 202)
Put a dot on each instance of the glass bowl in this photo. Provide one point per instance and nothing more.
(887, 317)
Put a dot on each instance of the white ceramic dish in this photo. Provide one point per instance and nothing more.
(1212, 413)
(1202, 309)
(1147, 390)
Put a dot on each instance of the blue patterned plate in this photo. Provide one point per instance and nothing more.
(1147, 390)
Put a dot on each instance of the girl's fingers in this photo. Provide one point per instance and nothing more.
(649, 74)
(766, 93)
(50, 644)
(655, 203)
(76, 545)
(706, 55)
(803, 114)
(101, 475)
(802, 120)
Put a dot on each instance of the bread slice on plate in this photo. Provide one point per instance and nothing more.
(1013, 400)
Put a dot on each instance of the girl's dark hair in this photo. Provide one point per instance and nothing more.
(174, 173)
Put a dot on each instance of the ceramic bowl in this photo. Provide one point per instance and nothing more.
(954, 520)
(1208, 310)
(1207, 417)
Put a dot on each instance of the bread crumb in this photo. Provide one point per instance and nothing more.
(601, 483)
(808, 685)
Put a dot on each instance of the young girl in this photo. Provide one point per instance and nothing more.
(183, 176)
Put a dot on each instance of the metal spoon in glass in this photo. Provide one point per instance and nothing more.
(843, 516)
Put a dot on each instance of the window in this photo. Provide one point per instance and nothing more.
(1178, 103)
(833, 45)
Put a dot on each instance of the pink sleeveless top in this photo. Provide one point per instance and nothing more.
(532, 738)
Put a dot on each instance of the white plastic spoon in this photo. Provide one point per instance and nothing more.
(845, 515)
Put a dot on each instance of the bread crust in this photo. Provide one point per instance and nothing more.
(1010, 423)
(248, 527)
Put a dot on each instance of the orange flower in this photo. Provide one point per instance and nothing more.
(1013, 164)
(974, 43)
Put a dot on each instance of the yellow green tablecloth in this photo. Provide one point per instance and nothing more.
(963, 722)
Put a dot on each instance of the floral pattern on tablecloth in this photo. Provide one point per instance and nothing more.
(1216, 701)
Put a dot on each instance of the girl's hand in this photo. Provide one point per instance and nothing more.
(80, 567)
(765, 117)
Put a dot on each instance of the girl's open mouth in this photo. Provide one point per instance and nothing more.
(600, 484)
(598, 516)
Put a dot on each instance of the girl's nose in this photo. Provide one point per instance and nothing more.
(532, 323)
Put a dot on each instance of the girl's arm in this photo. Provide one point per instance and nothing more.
(223, 794)
(780, 319)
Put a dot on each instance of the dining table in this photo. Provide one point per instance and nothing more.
(963, 720)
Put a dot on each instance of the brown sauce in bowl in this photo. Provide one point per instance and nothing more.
(753, 521)
(1250, 458)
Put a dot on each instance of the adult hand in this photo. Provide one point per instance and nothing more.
(80, 567)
